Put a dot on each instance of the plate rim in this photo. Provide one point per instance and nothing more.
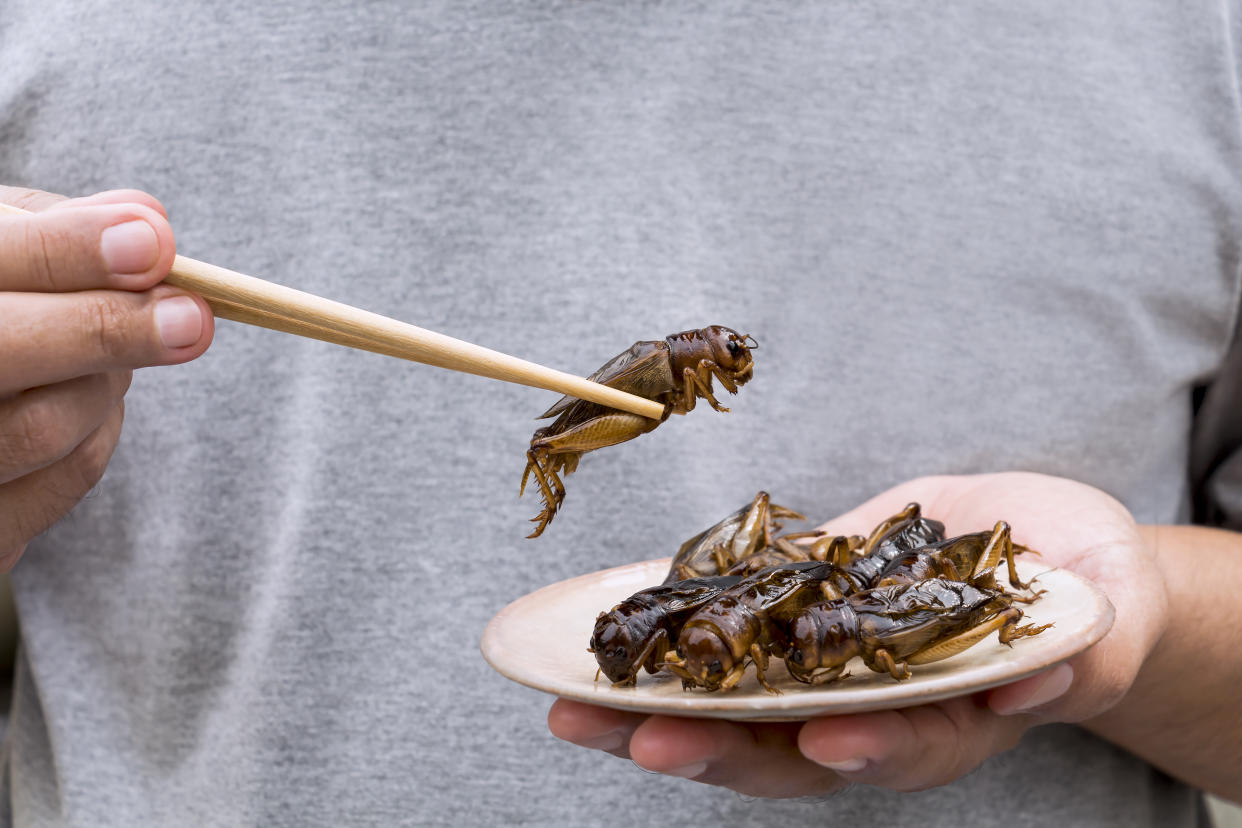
(790, 706)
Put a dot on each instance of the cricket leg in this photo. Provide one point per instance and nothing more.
(734, 676)
(1011, 631)
(551, 487)
(883, 662)
(999, 545)
(911, 511)
(720, 374)
(760, 657)
(564, 449)
(1006, 621)
(755, 529)
(697, 384)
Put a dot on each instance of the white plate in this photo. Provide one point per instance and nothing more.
(541, 640)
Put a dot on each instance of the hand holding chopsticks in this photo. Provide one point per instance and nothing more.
(253, 301)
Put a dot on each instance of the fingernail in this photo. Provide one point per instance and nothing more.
(687, 771)
(611, 740)
(846, 765)
(179, 321)
(1056, 682)
(131, 247)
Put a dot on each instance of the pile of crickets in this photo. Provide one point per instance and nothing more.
(738, 594)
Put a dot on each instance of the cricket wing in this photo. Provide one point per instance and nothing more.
(643, 369)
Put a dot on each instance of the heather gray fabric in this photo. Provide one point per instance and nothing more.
(969, 237)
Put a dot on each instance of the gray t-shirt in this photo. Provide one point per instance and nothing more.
(969, 237)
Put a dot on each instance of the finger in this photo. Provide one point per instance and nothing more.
(28, 199)
(31, 504)
(1101, 676)
(1033, 695)
(112, 197)
(37, 200)
(1079, 689)
(52, 337)
(123, 246)
(589, 726)
(42, 425)
(754, 760)
(911, 749)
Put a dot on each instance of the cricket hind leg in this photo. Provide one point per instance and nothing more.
(883, 662)
(838, 549)
(554, 453)
(550, 486)
(999, 546)
(535, 461)
(1006, 621)
(1013, 632)
(912, 511)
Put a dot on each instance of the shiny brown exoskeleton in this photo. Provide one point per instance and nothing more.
(637, 632)
(961, 558)
(895, 626)
(740, 626)
(675, 371)
(892, 538)
(835, 549)
(740, 536)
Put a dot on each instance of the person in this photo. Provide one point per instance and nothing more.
(991, 258)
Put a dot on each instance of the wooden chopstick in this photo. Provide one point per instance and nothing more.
(253, 301)
(222, 309)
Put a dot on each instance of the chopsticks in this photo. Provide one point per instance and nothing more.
(252, 301)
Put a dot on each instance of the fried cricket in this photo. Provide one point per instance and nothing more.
(675, 371)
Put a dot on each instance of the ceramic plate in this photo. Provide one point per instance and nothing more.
(541, 639)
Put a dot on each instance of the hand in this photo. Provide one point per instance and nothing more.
(80, 307)
(1072, 525)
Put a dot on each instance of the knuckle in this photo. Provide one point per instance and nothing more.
(34, 437)
(107, 323)
(1106, 691)
(90, 461)
(98, 449)
(86, 465)
(38, 247)
(50, 505)
(121, 380)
